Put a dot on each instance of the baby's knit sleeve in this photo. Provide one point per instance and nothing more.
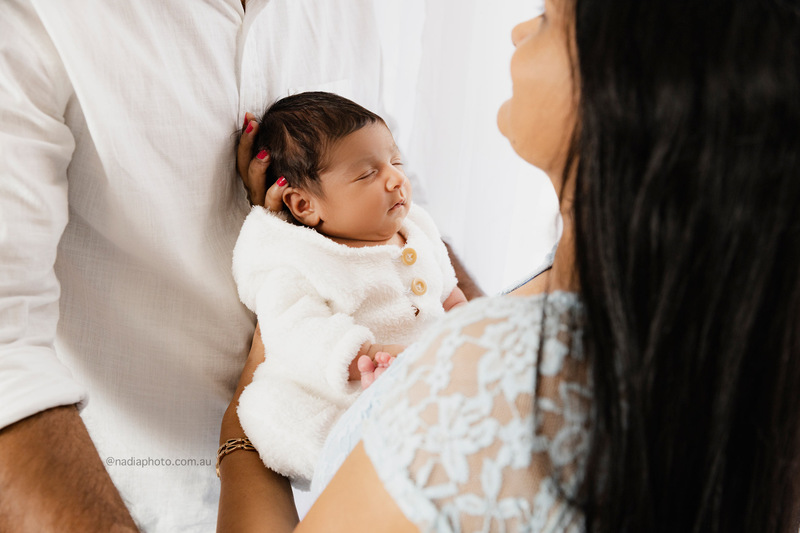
(302, 387)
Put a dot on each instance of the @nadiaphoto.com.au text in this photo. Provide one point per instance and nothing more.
(143, 462)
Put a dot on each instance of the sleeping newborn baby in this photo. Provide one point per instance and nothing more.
(341, 280)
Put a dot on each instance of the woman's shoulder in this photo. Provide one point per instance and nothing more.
(480, 407)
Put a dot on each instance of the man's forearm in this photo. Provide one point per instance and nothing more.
(465, 281)
(52, 479)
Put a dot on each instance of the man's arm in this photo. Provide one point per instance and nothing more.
(465, 281)
(52, 479)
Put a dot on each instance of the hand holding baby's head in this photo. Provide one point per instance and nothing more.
(343, 171)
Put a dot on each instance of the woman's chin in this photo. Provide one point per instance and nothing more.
(504, 125)
(503, 114)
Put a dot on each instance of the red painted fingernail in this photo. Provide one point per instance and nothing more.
(249, 128)
(281, 181)
(245, 121)
(262, 155)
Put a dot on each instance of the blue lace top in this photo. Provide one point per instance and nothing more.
(483, 424)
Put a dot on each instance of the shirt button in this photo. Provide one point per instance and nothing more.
(419, 287)
(409, 256)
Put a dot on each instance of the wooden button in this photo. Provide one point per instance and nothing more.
(409, 256)
(419, 287)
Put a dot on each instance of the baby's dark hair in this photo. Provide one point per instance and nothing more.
(298, 130)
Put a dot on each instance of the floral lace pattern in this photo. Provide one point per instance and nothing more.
(484, 425)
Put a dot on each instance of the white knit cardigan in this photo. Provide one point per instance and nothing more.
(317, 302)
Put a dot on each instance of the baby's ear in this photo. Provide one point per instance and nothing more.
(302, 206)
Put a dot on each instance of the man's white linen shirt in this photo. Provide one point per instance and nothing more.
(119, 209)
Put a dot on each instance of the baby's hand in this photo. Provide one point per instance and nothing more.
(372, 361)
(372, 369)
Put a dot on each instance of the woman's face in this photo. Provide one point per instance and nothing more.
(539, 117)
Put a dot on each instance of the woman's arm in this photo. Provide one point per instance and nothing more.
(252, 497)
(356, 500)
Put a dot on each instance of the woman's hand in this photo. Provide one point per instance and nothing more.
(253, 170)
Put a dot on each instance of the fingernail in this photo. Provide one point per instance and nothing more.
(249, 127)
(245, 121)
(262, 155)
(281, 181)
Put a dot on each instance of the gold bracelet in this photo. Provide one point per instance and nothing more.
(230, 446)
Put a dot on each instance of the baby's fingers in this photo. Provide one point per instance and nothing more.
(365, 364)
(384, 358)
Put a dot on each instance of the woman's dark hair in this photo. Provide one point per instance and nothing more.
(298, 130)
(687, 216)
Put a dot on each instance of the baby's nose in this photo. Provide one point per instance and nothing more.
(395, 180)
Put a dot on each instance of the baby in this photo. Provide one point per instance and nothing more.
(349, 263)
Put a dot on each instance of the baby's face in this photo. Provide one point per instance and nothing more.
(366, 193)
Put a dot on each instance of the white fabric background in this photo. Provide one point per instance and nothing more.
(447, 74)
